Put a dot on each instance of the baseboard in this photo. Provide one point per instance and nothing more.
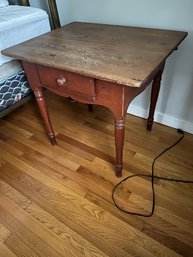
(162, 118)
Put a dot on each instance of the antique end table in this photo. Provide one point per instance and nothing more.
(97, 64)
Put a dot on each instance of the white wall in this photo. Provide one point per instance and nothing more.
(175, 104)
(64, 8)
(65, 11)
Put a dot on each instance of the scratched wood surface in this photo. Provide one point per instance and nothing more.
(56, 201)
(123, 55)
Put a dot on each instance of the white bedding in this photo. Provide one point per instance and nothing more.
(20, 23)
(9, 68)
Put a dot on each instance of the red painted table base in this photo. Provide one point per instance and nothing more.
(111, 95)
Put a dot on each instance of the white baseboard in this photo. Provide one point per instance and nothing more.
(162, 118)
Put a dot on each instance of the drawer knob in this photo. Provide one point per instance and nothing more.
(61, 81)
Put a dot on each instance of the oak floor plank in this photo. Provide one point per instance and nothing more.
(25, 235)
(93, 181)
(47, 220)
(50, 207)
(19, 247)
(5, 252)
(4, 233)
(161, 231)
(64, 192)
(8, 148)
(64, 247)
(99, 222)
(14, 129)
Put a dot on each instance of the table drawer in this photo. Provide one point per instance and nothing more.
(64, 81)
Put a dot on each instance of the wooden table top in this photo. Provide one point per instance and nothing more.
(120, 54)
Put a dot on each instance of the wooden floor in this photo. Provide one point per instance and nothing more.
(56, 201)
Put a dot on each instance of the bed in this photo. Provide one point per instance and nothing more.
(17, 24)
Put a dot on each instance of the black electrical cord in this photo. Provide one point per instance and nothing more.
(152, 176)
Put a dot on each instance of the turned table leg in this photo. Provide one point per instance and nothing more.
(35, 83)
(119, 143)
(44, 113)
(154, 96)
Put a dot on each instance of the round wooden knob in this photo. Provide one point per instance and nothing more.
(61, 81)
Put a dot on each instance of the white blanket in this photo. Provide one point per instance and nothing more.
(20, 23)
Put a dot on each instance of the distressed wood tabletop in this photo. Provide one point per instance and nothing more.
(120, 54)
